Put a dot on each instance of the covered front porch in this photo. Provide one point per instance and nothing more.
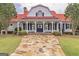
(40, 26)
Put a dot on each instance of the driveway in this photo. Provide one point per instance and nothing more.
(39, 45)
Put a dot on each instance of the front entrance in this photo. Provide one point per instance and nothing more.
(39, 27)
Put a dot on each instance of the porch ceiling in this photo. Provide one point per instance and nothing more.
(38, 19)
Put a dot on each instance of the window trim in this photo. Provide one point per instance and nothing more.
(39, 13)
(68, 26)
(55, 26)
(11, 24)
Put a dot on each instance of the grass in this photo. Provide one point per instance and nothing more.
(70, 45)
(8, 43)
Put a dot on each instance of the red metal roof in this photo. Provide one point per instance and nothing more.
(60, 17)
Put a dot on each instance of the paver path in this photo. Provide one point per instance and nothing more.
(39, 45)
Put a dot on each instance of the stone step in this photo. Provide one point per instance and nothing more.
(40, 33)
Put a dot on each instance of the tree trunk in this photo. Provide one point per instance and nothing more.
(73, 32)
(73, 29)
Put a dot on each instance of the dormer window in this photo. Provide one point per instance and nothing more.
(36, 13)
(42, 14)
(11, 24)
(39, 13)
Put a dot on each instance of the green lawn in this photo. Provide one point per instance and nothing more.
(8, 43)
(70, 45)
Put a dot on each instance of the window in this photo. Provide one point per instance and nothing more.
(39, 13)
(67, 26)
(24, 26)
(11, 24)
(42, 14)
(55, 26)
(31, 26)
(48, 26)
(36, 13)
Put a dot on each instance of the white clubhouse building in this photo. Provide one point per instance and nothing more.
(40, 19)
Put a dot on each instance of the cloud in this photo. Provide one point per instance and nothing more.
(19, 8)
(58, 7)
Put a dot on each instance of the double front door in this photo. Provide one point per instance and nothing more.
(39, 27)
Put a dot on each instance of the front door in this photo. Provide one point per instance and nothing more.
(39, 27)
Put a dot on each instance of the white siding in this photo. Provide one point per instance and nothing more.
(12, 28)
(33, 11)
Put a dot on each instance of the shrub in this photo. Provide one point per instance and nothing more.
(56, 33)
(68, 33)
(23, 32)
(1, 26)
(77, 32)
(16, 29)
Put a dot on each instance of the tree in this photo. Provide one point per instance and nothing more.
(1, 26)
(72, 12)
(7, 11)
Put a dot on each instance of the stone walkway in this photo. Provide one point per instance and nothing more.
(39, 45)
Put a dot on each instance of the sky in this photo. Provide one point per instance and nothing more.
(57, 7)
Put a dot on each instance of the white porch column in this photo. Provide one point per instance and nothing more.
(61, 24)
(57, 27)
(22, 25)
(43, 26)
(18, 27)
(27, 26)
(35, 27)
(65, 27)
(52, 26)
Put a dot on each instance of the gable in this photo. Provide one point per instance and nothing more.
(39, 10)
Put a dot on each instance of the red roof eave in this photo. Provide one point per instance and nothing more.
(21, 17)
(35, 18)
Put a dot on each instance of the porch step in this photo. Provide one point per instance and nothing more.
(40, 33)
